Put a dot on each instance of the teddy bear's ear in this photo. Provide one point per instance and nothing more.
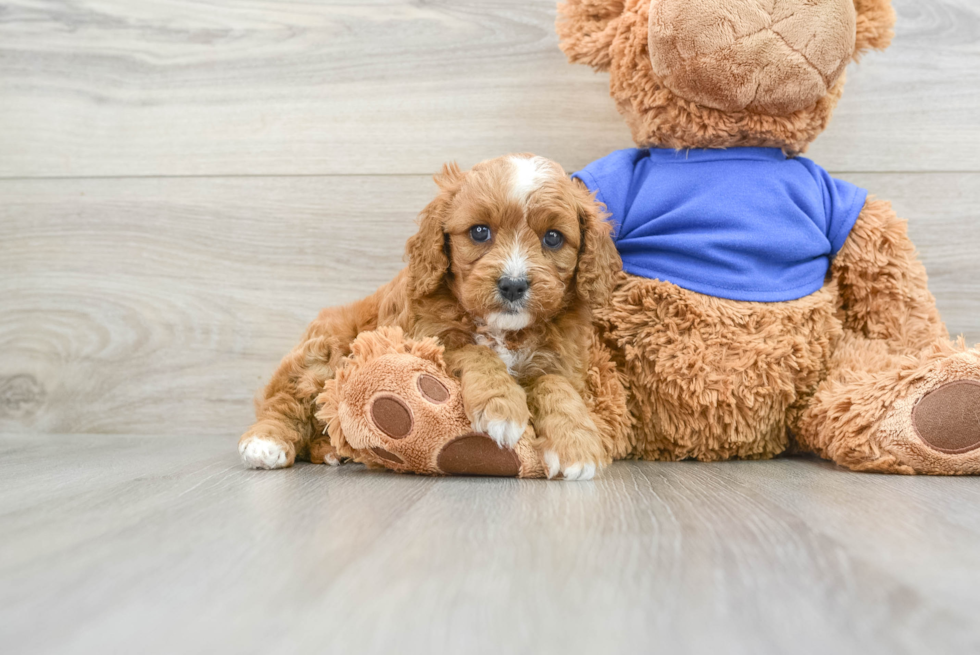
(875, 19)
(586, 29)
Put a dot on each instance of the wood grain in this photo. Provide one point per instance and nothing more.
(123, 544)
(142, 306)
(246, 87)
(167, 302)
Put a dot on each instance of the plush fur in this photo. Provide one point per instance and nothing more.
(614, 35)
(845, 372)
(758, 55)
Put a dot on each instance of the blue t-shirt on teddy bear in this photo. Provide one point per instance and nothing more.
(741, 223)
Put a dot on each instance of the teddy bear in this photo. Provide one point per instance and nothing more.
(729, 348)
(763, 306)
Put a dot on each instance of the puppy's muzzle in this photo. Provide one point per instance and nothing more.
(512, 290)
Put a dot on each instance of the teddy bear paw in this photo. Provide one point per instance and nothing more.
(394, 405)
(946, 418)
(934, 429)
(478, 454)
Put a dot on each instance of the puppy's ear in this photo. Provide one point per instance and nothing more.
(586, 29)
(598, 259)
(427, 249)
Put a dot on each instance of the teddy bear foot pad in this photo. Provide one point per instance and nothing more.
(947, 419)
(468, 454)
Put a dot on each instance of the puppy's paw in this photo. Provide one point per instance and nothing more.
(505, 433)
(573, 471)
(503, 417)
(321, 452)
(576, 454)
(569, 470)
(263, 452)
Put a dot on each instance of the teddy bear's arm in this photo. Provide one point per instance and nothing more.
(586, 29)
(883, 285)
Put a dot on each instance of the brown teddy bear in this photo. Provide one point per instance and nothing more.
(858, 369)
(764, 306)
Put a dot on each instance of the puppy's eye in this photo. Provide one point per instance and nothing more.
(553, 239)
(480, 233)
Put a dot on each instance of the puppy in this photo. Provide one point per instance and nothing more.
(507, 264)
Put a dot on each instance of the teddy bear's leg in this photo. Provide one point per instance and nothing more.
(899, 396)
(393, 405)
(879, 410)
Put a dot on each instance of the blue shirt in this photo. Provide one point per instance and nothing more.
(741, 223)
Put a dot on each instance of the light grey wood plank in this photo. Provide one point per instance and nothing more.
(106, 87)
(114, 544)
(164, 304)
(112, 87)
(169, 301)
(906, 109)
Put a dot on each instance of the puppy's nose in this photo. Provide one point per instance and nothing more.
(512, 290)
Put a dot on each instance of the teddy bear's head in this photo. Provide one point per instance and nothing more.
(724, 73)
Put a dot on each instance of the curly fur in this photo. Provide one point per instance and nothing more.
(447, 294)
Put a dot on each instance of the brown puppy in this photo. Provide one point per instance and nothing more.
(508, 262)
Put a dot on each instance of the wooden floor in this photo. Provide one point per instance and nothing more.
(125, 544)
(184, 184)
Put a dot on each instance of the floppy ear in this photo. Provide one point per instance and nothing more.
(598, 259)
(427, 250)
(875, 20)
(586, 29)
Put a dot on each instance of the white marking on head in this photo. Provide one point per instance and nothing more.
(516, 265)
(508, 321)
(529, 174)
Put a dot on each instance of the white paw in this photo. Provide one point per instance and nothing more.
(262, 453)
(331, 459)
(575, 471)
(505, 433)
